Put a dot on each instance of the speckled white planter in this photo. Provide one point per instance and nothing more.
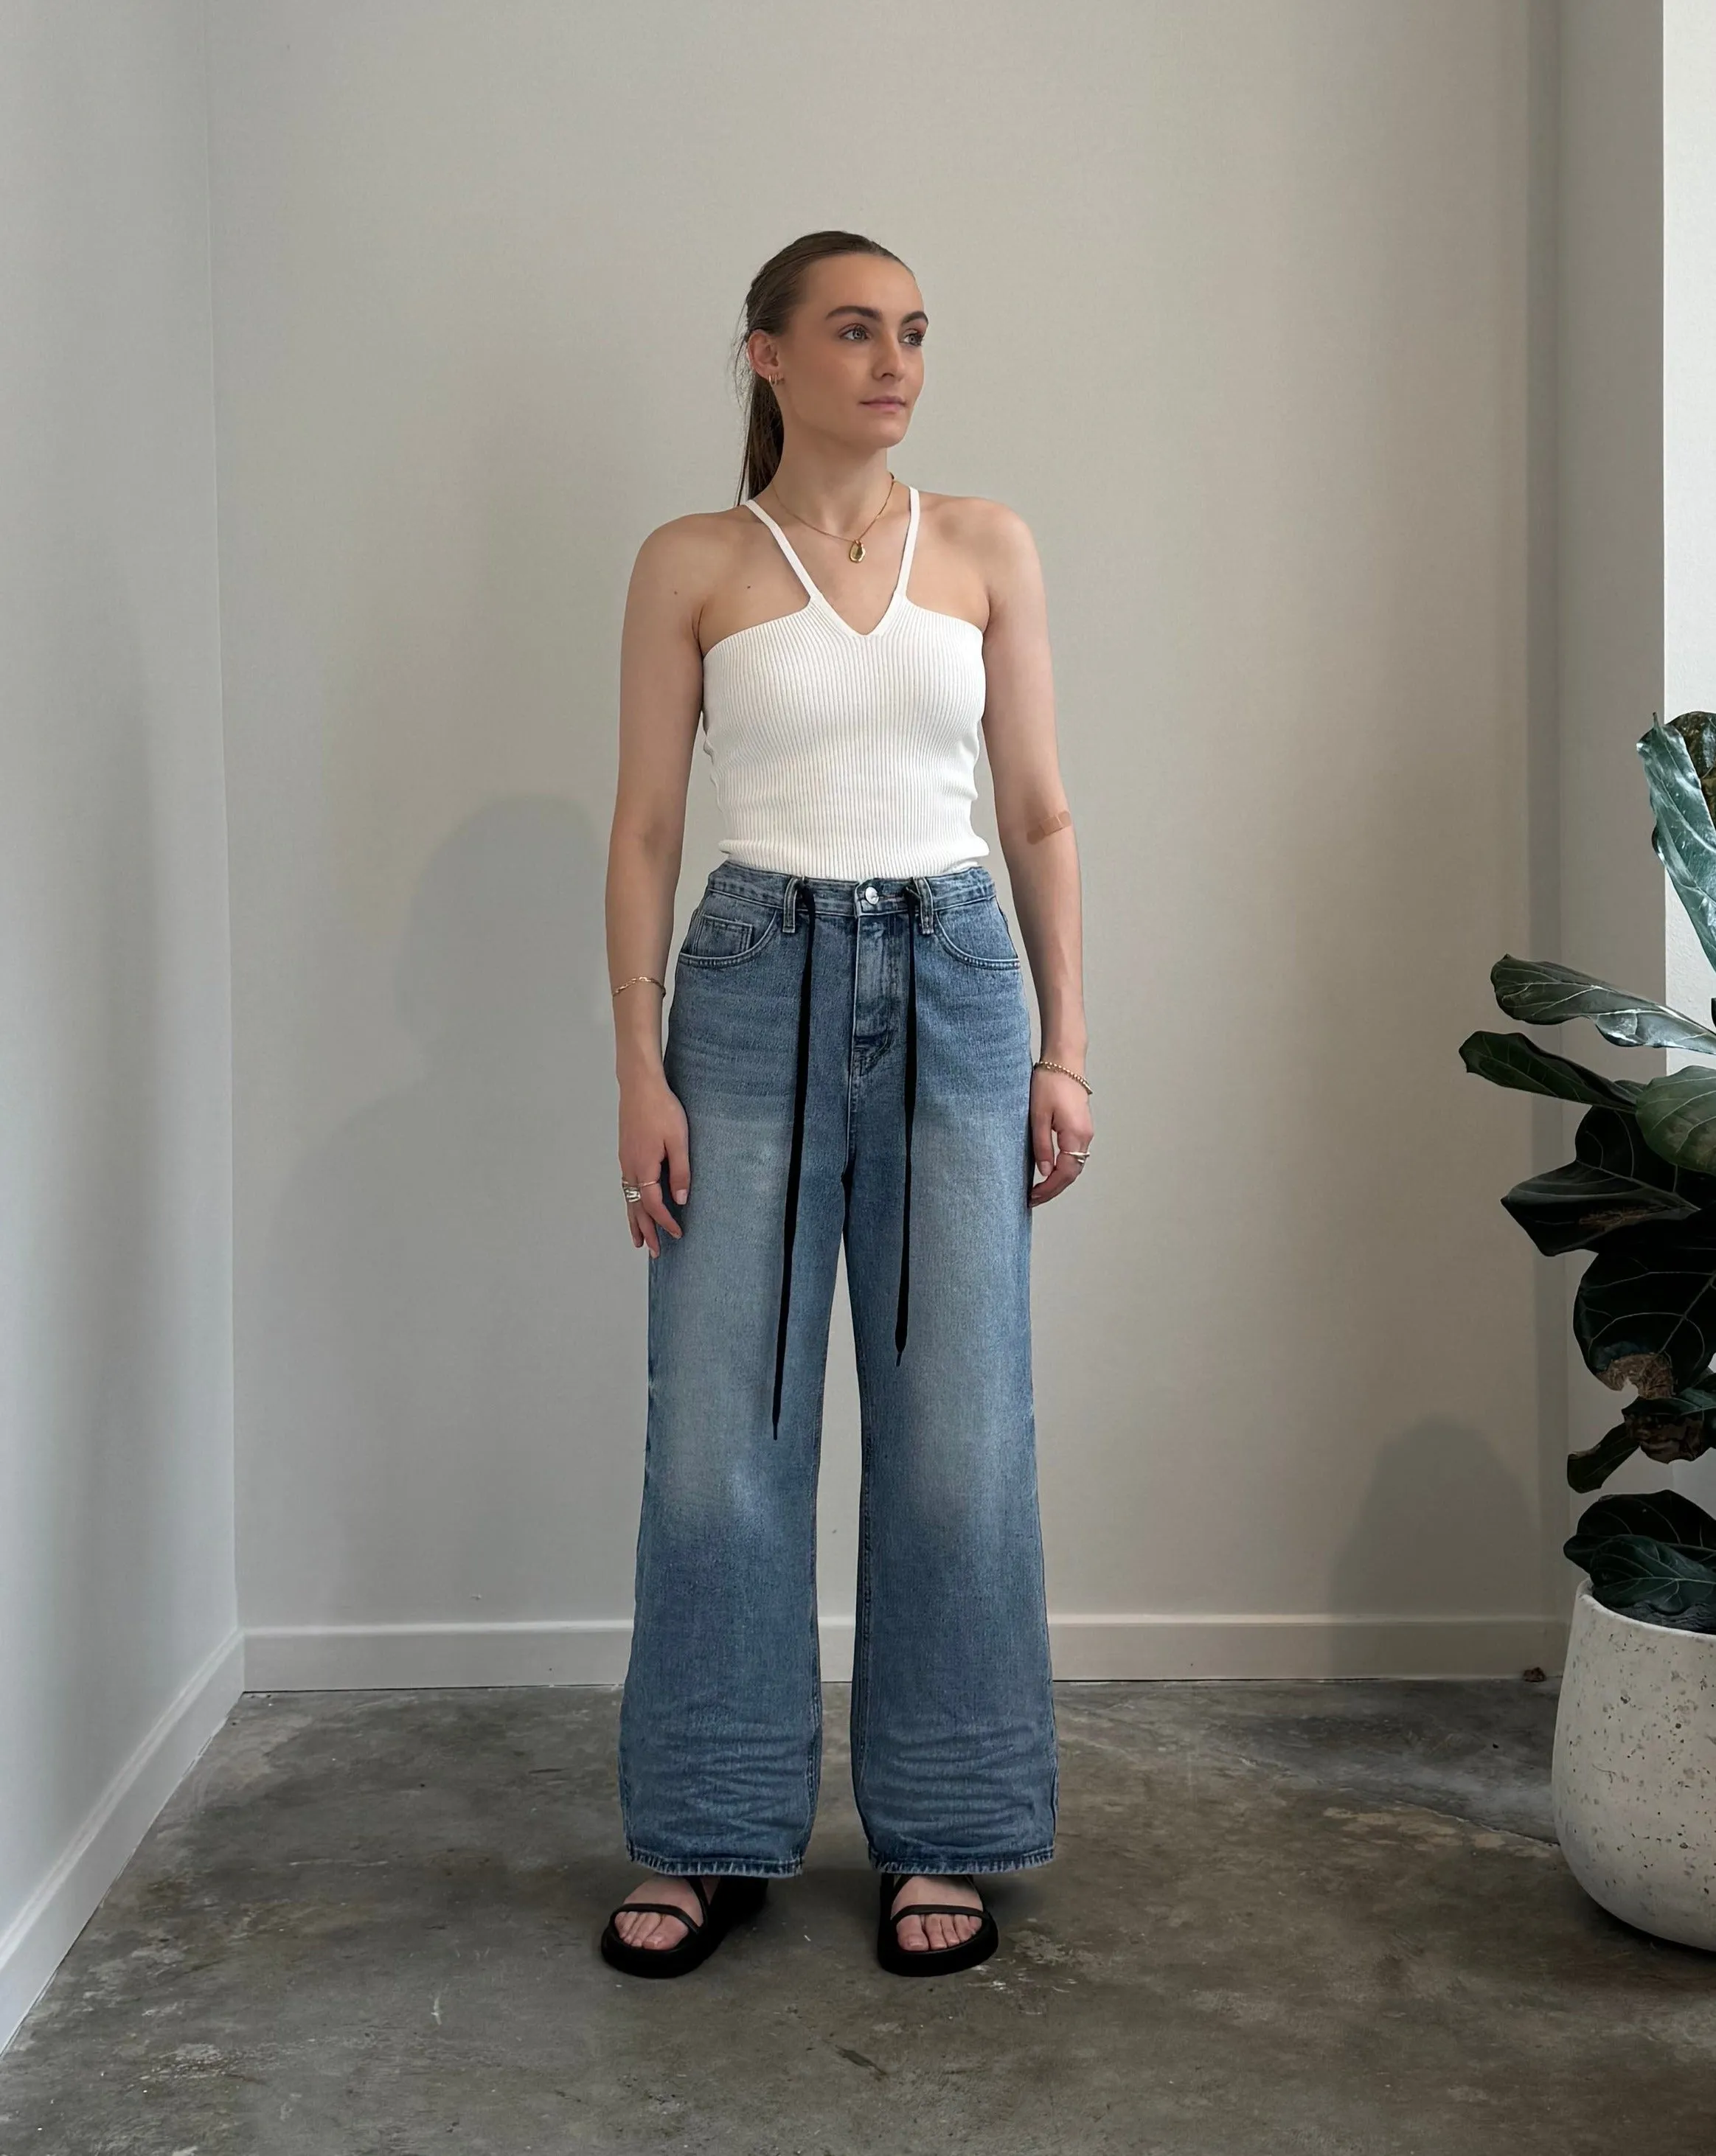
(1634, 1774)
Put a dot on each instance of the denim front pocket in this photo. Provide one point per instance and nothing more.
(978, 934)
(728, 928)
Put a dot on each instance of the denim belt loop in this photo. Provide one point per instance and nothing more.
(788, 915)
(926, 903)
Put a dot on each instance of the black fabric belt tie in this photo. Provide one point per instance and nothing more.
(800, 1094)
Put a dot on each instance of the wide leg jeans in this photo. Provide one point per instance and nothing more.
(854, 1060)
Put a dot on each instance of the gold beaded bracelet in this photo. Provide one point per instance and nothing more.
(636, 978)
(1048, 1063)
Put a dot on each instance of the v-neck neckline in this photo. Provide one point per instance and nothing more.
(819, 598)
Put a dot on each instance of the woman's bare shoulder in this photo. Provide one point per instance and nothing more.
(702, 534)
(684, 562)
(989, 534)
(974, 520)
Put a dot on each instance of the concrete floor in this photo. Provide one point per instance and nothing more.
(1284, 1919)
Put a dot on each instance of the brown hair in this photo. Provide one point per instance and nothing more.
(775, 291)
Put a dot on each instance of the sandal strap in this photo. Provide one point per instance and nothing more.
(661, 1908)
(897, 1886)
(672, 1908)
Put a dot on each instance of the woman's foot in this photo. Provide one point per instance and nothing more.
(648, 1928)
(917, 1933)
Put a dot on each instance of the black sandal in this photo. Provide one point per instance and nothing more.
(735, 1896)
(931, 1961)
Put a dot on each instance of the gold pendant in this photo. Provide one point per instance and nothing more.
(855, 552)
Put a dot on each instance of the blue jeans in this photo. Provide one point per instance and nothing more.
(854, 1060)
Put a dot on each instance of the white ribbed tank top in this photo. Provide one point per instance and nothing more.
(845, 753)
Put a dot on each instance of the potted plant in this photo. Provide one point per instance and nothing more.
(1634, 1772)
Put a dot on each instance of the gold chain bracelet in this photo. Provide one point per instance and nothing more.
(1048, 1063)
(636, 978)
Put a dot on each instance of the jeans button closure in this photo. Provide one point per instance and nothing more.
(870, 893)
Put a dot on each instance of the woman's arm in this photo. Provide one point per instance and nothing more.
(1035, 825)
(661, 696)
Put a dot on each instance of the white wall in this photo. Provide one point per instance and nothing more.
(118, 1652)
(1688, 462)
(1610, 575)
(1236, 305)
(1688, 477)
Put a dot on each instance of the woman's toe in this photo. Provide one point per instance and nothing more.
(919, 1934)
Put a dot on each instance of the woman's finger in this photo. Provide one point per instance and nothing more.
(676, 1175)
(1064, 1168)
(1042, 1129)
(647, 1215)
(652, 1217)
(1065, 1171)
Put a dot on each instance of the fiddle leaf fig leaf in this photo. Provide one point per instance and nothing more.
(1611, 1140)
(1684, 837)
(1543, 993)
(1590, 1469)
(1659, 1582)
(1645, 1310)
(1677, 1118)
(1669, 1515)
(1515, 1059)
(1572, 1207)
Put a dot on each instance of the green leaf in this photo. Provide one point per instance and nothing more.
(1640, 1419)
(1515, 1059)
(1590, 1469)
(1543, 993)
(1665, 1431)
(1684, 837)
(1668, 1515)
(1646, 1306)
(1677, 1118)
(1642, 1577)
(1609, 1139)
(1572, 1207)
(1690, 1616)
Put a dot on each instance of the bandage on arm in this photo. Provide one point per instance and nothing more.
(1050, 825)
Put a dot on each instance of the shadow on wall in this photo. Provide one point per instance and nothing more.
(1441, 1522)
(446, 1391)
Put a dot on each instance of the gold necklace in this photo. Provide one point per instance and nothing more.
(855, 552)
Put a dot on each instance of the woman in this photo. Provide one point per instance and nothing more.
(848, 1057)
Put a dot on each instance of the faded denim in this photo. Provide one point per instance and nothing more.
(954, 1760)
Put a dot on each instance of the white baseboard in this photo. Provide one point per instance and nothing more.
(593, 1651)
(35, 1943)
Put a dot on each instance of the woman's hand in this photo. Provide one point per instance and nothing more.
(652, 1130)
(1060, 1118)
